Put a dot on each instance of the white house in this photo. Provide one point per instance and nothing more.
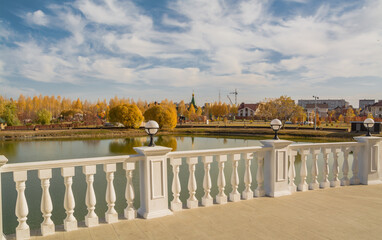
(376, 109)
(247, 110)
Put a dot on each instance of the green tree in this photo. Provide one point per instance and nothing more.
(127, 114)
(43, 116)
(9, 114)
(164, 115)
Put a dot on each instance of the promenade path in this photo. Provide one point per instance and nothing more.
(353, 212)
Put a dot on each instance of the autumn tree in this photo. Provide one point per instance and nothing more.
(349, 115)
(9, 114)
(127, 114)
(181, 108)
(43, 116)
(283, 108)
(164, 115)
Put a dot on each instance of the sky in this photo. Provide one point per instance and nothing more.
(157, 49)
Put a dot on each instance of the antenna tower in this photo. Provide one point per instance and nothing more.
(235, 93)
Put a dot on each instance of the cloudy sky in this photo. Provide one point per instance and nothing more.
(156, 49)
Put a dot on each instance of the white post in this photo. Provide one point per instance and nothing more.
(314, 184)
(21, 211)
(70, 222)
(153, 182)
(292, 171)
(336, 169)
(303, 186)
(345, 167)
(234, 196)
(259, 191)
(370, 160)
(276, 168)
(3, 161)
(325, 177)
(207, 200)
(192, 202)
(221, 198)
(130, 212)
(91, 219)
(355, 167)
(47, 226)
(247, 193)
(176, 204)
(111, 215)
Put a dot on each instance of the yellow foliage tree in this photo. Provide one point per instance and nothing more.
(128, 115)
(164, 115)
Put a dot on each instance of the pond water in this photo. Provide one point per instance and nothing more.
(31, 151)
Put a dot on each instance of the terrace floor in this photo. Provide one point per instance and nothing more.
(353, 212)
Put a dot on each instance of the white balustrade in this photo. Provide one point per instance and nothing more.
(345, 167)
(129, 212)
(234, 196)
(221, 198)
(303, 186)
(176, 204)
(207, 200)
(111, 215)
(292, 171)
(47, 226)
(259, 191)
(336, 169)
(91, 219)
(21, 211)
(355, 179)
(325, 177)
(192, 202)
(314, 184)
(70, 222)
(247, 193)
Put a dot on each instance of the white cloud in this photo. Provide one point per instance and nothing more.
(38, 17)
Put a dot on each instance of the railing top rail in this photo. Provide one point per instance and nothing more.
(27, 166)
(218, 151)
(324, 145)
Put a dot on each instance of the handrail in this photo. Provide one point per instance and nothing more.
(12, 167)
(324, 145)
(218, 151)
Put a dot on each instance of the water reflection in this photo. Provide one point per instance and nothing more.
(126, 146)
(8, 149)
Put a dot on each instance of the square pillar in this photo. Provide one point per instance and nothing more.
(369, 160)
(153, 182)
(3, 161)
(276, 168)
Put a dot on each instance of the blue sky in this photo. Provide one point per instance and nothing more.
(160, 49)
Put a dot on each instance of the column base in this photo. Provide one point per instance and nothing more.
(314, 186)
(91, 222)
(130, 213)
(192, 204)
(155, 214)
(70, 226)
(234, 197)
(23, 233)
(259, 193)
(345, 182)
(293, 189)
(47, 229)
(221, 199)
(335, 183)
(247, 195)
(303, 187)
(207, 202)
(354, 181)
(176, 206)
(325, 184)
(111, 217)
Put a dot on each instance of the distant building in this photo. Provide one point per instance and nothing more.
(193, 102)
(247, 110)
(322, 109)
(332, 103)
(365, 102)
(376, 109)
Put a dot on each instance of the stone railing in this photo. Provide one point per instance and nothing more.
(275, 176)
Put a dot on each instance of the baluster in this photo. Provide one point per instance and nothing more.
(221, 198)
(47, 226)
(314, 184)
(111, 215)
(192, 202)
(234, 196)
(325, 178)
(303, 186)
(354, 179)
(176, 204)
(259, 191)
(91, 219)
(70, 222)
(207, 200)
(21, 211)
(247, 193)
(130, 212)
(292, 171)
(335, 182)
(345, 167)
